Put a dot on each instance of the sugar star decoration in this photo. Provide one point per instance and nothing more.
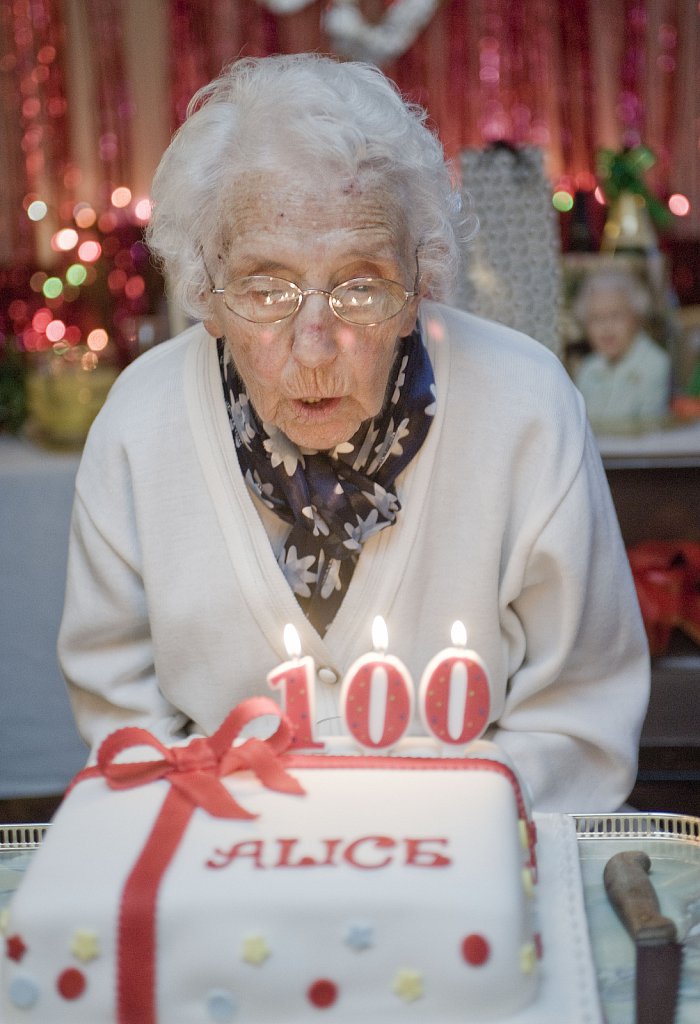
(85, 945)
(360, 936)
(255, 950)
(528, 958)
(408, 984)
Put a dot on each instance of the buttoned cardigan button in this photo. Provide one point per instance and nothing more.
(327, 675)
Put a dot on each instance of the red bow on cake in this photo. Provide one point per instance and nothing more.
(194, 773)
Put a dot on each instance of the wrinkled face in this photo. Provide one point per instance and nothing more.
(313, 376)
(610, 324)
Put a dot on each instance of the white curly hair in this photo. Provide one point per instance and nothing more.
(287, 113)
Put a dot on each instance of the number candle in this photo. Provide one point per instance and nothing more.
(376, 697)
(454, 693)
(296, 679)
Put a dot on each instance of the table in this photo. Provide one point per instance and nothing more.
(40, 749)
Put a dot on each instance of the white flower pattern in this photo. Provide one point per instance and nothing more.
(391, 445)
(263, 491)
(242, 421)
(282, 451)
(331, 580)
(297, 571)
(320, 524)
(363, 529)
(400, 381)
(385, 501)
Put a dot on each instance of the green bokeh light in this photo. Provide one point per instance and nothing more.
(562, 201)
(76, 274)
(53, 286)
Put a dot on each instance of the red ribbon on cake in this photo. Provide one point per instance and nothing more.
(194, 773)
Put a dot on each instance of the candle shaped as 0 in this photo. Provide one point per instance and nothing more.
(296, 679)
(454, 696)
(376, 697)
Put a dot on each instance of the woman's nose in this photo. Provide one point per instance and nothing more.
(315, 330)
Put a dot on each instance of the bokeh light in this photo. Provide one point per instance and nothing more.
(84, 215)
(65, 239)
(121, 196)
(116, 279)
(135, 287)
(679, 204)
(37, 209)
(41, 319)
(89, 251)
(36, 281)
(97, 339)
(107, 221)
(53, 286)
(76, 274)
(55, 330)
(142, 210)
(89, 361)
(562, 201)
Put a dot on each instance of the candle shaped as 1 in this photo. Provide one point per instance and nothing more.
(376, 697)
(454, 696)
(296, 679)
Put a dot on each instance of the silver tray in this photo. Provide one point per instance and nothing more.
(671, 840)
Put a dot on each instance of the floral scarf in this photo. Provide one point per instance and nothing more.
(334, 500)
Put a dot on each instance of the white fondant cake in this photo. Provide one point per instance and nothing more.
(391, 889)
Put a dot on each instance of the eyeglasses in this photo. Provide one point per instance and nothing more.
(365, 301)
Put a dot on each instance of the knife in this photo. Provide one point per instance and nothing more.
(631, 893)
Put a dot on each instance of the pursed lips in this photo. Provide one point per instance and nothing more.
(313, 404)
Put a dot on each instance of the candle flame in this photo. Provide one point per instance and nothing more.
(380, 634)
(458, 634)
(292, 641)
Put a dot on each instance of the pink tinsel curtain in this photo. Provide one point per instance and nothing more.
(570, 77)
(567, 75)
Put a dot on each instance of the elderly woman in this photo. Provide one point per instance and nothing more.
(328, 443)
(626, 380)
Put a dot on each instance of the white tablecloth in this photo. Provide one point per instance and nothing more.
(40, 750)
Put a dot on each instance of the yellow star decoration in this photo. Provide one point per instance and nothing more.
(408, 984)
(4, 920)
(255, 950)
(85, 944)
(522, 833)
(528, 958)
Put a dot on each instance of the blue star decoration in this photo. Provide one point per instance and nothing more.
(360, 935)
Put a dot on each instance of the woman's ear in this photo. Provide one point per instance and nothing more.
(409, 317)
(213, 327)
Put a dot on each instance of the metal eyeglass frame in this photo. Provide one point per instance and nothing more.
(301, 294)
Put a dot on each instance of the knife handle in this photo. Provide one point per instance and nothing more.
(632, 894)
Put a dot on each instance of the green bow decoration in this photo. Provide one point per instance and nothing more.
(622, 172)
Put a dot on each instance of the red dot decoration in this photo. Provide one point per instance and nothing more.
(475, 950)
(15, 947)
(322, 993)
(71, 983)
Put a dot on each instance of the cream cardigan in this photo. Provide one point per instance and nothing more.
(175, 604)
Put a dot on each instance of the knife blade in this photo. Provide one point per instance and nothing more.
(659, 955)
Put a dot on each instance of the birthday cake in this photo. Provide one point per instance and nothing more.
(241, 880)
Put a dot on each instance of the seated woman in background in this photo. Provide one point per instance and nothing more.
(328, 443)
(626, 381)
